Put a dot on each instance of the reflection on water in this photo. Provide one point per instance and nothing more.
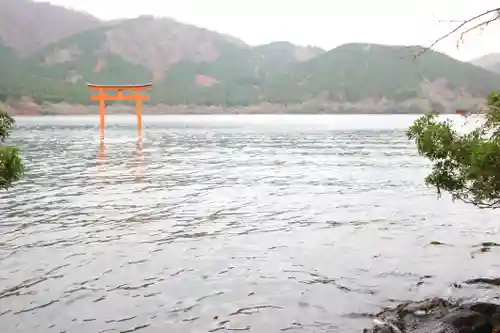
(136, 166)
(102, 152)
(227, 223)
(139, 162)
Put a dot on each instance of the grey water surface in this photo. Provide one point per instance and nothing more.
(228, 223)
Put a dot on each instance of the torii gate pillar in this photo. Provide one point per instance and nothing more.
(102, 97)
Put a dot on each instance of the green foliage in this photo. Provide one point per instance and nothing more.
(465, 165)
(358, 71)
(11, 166)
(244, 75)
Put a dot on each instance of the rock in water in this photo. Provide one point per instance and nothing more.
(437, 315)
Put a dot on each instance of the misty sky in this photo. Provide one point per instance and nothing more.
(318, 22)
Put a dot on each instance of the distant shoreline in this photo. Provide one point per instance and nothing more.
(27, 107)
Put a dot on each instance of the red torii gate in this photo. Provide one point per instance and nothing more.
(102, 97)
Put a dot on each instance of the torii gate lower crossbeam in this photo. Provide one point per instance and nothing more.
(102, 97)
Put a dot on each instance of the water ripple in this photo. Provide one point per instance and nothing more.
(228, 223)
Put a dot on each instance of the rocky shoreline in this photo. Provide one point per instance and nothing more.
(438, 315)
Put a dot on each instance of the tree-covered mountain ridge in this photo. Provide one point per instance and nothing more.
(195, 70)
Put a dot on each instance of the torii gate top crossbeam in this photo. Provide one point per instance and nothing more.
(145, 86)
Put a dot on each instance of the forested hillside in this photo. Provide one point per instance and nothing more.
(189, 65)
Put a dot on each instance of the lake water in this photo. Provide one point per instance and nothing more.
(228, 223)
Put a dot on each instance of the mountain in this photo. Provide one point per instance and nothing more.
(279, 53)
(494, 67)
(486, 60)
(27, 26)
(189, 65)
(490, 61)
(353, 72)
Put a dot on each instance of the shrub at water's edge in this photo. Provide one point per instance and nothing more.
(11, 166)
(465, 165)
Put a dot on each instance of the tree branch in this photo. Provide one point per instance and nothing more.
(464, 23)
(481, 25)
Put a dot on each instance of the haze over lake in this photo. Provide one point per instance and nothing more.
(262, 223)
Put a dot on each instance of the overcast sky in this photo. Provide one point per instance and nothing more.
(325, 23)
